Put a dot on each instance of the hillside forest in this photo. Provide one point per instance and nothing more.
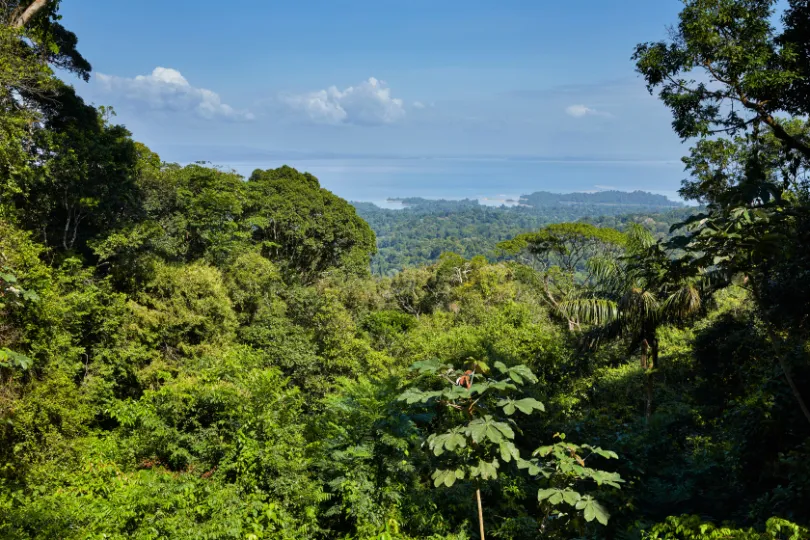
(423, 229)
(187, 353)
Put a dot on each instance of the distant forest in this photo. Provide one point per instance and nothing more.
(424, 229)
(611, 198)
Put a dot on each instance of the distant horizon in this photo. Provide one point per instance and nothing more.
(376, 179)
(498, 201)
(477, 109)
(241, 154)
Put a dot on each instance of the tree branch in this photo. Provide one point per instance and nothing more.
(759, 108)
(29, 13)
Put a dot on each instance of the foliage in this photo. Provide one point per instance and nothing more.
(418, 234)
(475, 429)
(692, 527)
(567, 245)
(188, 354)
(306, 226)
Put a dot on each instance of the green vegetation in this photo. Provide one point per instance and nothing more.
(185, 353)
(603, 198)
(419, 233)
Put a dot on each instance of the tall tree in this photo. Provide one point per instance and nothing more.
(83, 183)
(305, 226)
(726, 69)
(634, 296)
(562, 253)
(36, 23)
(729, 71)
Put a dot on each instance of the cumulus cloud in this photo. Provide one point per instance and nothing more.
(579, 111)
(418, 105)
(368, 103)
(167, 89)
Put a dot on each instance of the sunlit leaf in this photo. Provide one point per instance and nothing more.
(593, 510)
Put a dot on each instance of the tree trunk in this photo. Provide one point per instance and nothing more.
(645, 348)
(777, 349)
(649, 391)
(794, 388)
(29, 13)
(480, 514)
(653, 364)
(649, 359)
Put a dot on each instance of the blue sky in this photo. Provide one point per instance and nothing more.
(241, 81)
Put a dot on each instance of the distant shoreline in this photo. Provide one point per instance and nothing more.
(540, 199)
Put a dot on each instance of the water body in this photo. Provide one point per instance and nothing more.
(490, 180)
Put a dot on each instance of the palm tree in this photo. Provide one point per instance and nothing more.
(634, 295)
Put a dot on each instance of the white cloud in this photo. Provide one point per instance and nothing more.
(579, 111)
(368, 103)
(418, 105)
(167, 89)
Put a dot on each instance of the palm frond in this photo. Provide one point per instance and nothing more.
(594, 337)
(639, 239)
(650, 306)
(597, 311)
(683, 303)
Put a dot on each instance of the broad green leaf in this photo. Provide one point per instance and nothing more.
(508, 451)
(436, 443)
(593, 510)
(552, 495)
(531, 466)
(480, 366)
(605, 477)
(502, 385)
(543, 451)
(457, 392)
(11, 359)
(505, 429)
(487, 428)
(446, 477)
(518, 373)
(508, 407)
(485, 470)
(446, 441)
(457, 440)
(527, 405)
(427, 366)
(544, 494)
(479, 388)
(609, 454)
(571, 497)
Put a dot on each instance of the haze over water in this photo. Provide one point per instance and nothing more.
(491, 180)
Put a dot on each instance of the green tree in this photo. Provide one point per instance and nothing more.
(753, 184)
(693, 528)
(42, 36)
(561, 253)
(567, 245)
(85, 187)
(736, 46)
(475, 436)
(304, 226)
(635, 296)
